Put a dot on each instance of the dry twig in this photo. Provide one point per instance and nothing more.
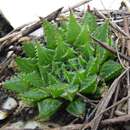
(109, 48)
(113, 25)
(83, 2)
(13, 37)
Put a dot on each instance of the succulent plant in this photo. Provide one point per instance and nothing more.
(66, 64)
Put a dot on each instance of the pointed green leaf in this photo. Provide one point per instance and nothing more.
(87, 50)
(79, 77)
(102, 31)
(73, 29)
(44, 73)
(50, 34)
(60, 50)
(34, 79)
(89, 86)
(16, 84)
(90, 21)
(70, 92)
(26, 64)
(73, 63)
(110, 70)
(57, 89)
(47, 108)
(56, 68)
(82, 61)
(92, 66)
(102, 35)
(70, 53)
(77, 108)
(44, 55)
(83, 37)
(63, 29)
(68, 75)
(52, 79)
(34, 95)
(29, 49)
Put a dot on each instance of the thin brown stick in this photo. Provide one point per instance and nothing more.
(27, 30)
(128, 87)
(106, 122)
(109, 48)
(119, 113)
(87, 100)
(114, 105)
(113, 25)
(104, 103)
(5, 63)
(116, 120)
(127, 41)
(115, 99)
(64, 11)
(83, 2)
(118, 54)
(126, 29)
(35, 25)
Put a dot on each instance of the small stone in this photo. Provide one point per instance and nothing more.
(16, 125)
(10, 47)
(32, 125)
(3, 115)
(9, 54)
(9, 104)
